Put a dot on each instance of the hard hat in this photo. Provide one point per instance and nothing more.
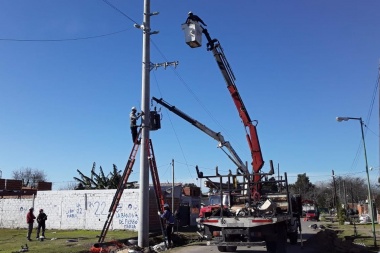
(134, 108)
(189, 13)
(166, 205)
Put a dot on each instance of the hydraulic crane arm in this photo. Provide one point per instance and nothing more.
(216, 136)
(251, 135)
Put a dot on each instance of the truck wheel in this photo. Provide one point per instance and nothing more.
(276, 247)
(222, 248)
(231, 248)
(277, 242)
(282, 240)
(293, 237)
(271, 246)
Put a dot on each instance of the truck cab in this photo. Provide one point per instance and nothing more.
(213, 205)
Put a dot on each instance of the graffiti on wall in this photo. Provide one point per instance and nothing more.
(23, 209)
(70, 210)
(99, 207)
(74, 212)
(128, 217)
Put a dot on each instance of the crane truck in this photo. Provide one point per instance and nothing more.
(254, 207)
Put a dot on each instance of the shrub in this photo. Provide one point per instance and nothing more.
(322, 217)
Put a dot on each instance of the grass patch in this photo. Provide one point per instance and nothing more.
(80, 241)
(362, 236)
(64, 241)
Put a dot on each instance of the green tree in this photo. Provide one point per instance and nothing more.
(99, 180)
(303, 186)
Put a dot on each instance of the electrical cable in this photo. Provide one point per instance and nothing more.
(368, 118)
(373, 132)
(190, 91)
(175, 133)
(79, 38)
(62, 40)
(118, 10)
(179, 77)
(195, 96)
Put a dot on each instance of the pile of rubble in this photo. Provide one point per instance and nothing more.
(115, 246)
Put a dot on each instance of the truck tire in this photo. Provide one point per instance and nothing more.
(275, 247)
(231, 248)
(276, 243)
(293, 237)
(271, 246)
(222, 248)
(282, 240)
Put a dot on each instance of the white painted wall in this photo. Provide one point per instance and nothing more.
(84, 209)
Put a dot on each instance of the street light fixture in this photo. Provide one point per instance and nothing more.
(370, 204)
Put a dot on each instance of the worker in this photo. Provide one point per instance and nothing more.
(30, 220)
(134, 117)
(194, 19)
(41, 218)
(168, 216)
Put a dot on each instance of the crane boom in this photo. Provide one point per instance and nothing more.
(215, 135)
(193, 35)
(251, 135)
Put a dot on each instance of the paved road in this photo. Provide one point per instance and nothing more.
(306, 234)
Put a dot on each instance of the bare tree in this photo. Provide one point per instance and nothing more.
(69, 186)
(30, 177)
(347, 190)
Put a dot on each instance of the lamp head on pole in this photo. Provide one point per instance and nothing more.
(340, 119)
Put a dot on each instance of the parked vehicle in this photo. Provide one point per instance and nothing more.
(311, 215)
(364, 218)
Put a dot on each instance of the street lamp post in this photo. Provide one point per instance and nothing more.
(340, 119)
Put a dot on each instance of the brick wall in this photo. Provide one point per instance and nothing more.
(192, 191)
(2, 184)
(154, 220)
(44, 186)
(12, 184)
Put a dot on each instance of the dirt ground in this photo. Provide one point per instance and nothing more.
(325, 240)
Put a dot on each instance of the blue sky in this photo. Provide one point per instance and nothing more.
(65, 96)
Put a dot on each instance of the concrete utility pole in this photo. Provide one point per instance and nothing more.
(173, 186)
(345, 196)
(370, 202)
(147, 66)
(143, 229)
(335, 198)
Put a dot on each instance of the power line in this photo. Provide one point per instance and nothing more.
(371, 130)
(187, 86)
(175, 133)
(78, 38)
(368, 119)
(118, 10)
(125, 15)
(61, 40)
